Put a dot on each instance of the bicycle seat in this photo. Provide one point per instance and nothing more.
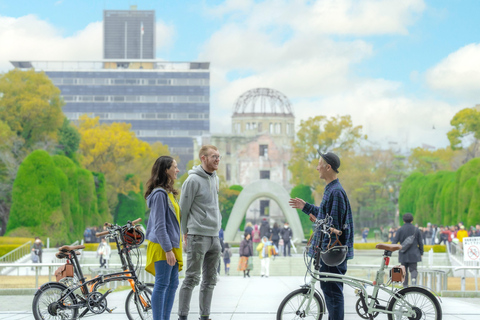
(63, 255)
(388, 247)
(71, 248)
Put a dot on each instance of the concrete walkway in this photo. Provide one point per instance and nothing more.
(238, 298)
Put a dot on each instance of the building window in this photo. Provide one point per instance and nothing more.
(264, 207)
(289, 128)
(278, 128)
(265, 174)
(229, 172)
(259, 127)
(228, 148)
(263, 150)
(237, 127)
(271, 127)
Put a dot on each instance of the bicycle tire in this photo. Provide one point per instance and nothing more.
(46, 297)
(290, 307)
(133, 304)
(425, 302)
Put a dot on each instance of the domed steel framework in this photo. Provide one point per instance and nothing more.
(263, 100)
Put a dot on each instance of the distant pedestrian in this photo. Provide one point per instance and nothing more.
(365, 235)
(286, 234)
(103, 252)
(265, 229)
(414, 252)
(246, 253)
(38, 247)
(256, 234)
(264, 253)
(227, 255)
(248, 229)
(275, 235)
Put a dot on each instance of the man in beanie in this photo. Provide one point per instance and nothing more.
(334, 203)
(414, 253)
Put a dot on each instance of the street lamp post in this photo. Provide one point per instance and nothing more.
(254, 215)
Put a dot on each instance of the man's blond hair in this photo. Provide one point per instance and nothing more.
(204, 150)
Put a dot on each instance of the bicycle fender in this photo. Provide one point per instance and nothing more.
(49, 284)
(429, 290)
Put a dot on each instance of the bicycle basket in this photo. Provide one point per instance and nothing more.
(334, 256)
(133, 236)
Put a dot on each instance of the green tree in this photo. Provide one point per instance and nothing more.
(325, 134)
(428, 161)
(30, 105)
(68, 139)
(466, 123)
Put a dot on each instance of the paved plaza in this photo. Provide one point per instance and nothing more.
(236, 298)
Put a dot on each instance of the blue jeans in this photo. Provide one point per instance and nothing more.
(333, 292)
(163, 295)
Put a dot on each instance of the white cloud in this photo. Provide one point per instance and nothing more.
(285, 45)
(366, 17)
(30, 38)
(458, 74)
(164, 35)
(386, 114)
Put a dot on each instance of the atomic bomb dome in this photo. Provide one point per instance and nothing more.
(263, 110)
(263, 100)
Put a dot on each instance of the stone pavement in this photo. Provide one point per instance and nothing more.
(237, 298)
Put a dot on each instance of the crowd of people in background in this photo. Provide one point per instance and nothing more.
(437, 234)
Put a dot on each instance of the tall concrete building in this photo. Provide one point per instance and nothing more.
(129, 34)
(164, 101)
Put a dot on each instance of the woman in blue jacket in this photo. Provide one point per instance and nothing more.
(164, 252)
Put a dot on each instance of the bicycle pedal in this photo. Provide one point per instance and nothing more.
(111, 310)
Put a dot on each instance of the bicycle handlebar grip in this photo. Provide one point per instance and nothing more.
(134, 222)
(337, 232)
(103, 233)
(108, 225)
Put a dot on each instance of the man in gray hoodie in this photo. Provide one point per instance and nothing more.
(201, 222)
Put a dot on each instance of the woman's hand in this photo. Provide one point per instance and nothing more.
(297, 203)
(171, 260)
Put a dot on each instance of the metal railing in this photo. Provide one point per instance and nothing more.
(16, 254)
(93, 268)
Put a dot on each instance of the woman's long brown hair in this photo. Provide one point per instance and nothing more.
(159, 176)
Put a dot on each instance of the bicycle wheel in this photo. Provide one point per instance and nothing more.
(138, 305)
(424, 303)
(294, 306)
(46, 305)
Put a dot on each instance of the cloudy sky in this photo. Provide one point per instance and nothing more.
(401, 69)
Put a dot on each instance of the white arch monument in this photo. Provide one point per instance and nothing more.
(263, 189)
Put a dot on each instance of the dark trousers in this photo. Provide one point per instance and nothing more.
(286, 245)
(333, 292)
(412, 267)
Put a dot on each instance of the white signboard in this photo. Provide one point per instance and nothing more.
(471, 249)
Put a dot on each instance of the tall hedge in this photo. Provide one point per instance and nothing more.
(53, 197)
(130, 206)
(37, 199)
(443, 197)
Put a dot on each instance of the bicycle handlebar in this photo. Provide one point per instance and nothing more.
(103, 233)
(108, 225)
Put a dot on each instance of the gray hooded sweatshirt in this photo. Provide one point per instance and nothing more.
(200, 214)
